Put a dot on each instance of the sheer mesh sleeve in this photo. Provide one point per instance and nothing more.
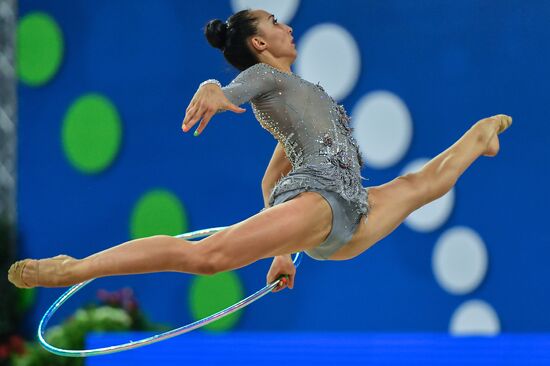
(250, 83)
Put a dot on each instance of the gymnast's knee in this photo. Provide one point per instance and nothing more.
(208, 263)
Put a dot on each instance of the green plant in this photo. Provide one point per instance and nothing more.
(118, 311)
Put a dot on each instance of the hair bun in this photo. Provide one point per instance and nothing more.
(215, 32)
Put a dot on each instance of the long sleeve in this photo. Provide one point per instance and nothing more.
(251, 83)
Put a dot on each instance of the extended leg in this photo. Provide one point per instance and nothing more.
(392, 202)
(293, 226)
(156, 253)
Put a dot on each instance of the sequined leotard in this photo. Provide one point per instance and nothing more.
(315, 133)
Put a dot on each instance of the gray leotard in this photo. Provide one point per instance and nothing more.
(315, 133)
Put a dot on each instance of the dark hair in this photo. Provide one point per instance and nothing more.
(231, 38)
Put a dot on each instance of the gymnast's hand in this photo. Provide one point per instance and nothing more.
(282, 265)
(207, 101)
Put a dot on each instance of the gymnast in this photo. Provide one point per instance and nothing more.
(314, 198)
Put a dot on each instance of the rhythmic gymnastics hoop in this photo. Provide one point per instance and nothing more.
(162, 336)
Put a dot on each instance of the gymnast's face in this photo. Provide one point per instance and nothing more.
(273, 37)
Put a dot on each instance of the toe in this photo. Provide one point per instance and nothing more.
(11, 271)
(506, 121)
(13, 274)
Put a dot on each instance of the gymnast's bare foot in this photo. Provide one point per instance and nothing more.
(504, 122)
(50, 272)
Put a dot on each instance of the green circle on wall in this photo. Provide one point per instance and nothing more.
(39, 48)
(91, 133)
(210, 294)
(158, 212)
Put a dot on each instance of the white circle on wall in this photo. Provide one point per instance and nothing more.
(434, 214)
(474, 317)
(459, 260)
(329, 55)
(382, 127)
(284, 10)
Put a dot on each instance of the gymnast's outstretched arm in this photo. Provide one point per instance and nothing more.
(207, 101)
(211, 98)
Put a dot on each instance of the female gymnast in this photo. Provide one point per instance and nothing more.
(314, 199)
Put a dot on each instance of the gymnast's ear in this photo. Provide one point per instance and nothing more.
(258, 43)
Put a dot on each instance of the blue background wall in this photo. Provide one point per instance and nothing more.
(452, 62)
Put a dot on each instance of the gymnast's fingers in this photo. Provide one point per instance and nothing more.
(281, 285)
(206, 118)
(232, 107)
(188, 116)
(191, 105)
(193, 120)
